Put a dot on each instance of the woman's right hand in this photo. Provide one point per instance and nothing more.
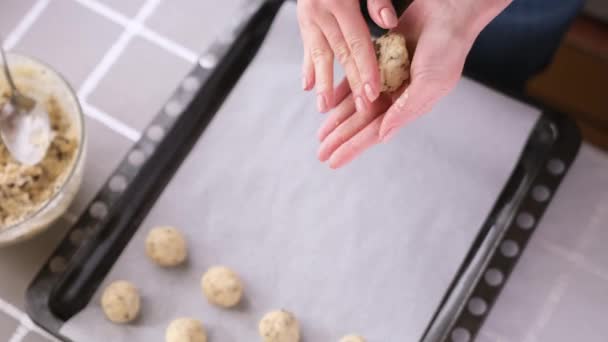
(336, 28)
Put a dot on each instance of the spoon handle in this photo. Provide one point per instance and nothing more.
(7, 72)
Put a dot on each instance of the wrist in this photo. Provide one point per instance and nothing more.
(479, 13)
(467, 18)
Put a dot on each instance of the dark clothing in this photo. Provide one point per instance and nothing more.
(521, 41)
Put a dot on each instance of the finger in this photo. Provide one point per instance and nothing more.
(342, 53)
(341, 91)
(322, 59)
(382, 13)
(356, 145)
(346, 130)
(342, 111)
(359, 41)
(308, 72)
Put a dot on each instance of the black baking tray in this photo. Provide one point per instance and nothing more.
(58, 293)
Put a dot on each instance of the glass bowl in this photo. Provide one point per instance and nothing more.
(41, 81)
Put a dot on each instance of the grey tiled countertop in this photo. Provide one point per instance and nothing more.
(125, 57)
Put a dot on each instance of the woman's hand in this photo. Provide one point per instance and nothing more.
(441, 33)
(336, 28)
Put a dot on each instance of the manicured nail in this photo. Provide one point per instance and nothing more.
(388, 17)
(371, 94)
(359, 104)
(321, 103)
(389, 135)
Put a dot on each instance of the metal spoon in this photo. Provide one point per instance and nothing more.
(25, 127)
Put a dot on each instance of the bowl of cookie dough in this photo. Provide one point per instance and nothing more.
(33, 197)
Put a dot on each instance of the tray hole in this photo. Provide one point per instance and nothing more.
(136, 157)
(477, 306)
(556, 167)
(494, 277)
(208, 61)
(509, 248)
(173, 108)
(461, 335)
(191, 83)
(155, 133)
(541, 193)
(76, 236)
(98, 210)
(58, 264)
(118, 183)
(525, 220)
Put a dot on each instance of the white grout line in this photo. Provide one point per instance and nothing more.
(105, 11)
(169, 45)
(117, 49)
(575, 258)
(19, 334)
(555, 296)
(108, 120)
(23, 319)
(146, 33)
(24, 25)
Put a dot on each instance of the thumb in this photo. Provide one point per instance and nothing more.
(416, 100)
(382, 13)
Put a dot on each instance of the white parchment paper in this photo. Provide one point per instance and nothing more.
(370, 248)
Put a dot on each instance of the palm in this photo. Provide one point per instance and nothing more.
(438, 58)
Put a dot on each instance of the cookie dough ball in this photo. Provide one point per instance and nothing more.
(279, 326)
(186, 330)
(222, 286)
(120, 302)
(352, 338)
(166, 246)
(393, 61)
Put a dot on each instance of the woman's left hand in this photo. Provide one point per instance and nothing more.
(443, 32)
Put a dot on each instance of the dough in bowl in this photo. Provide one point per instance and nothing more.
(185, 330)
(222, 286)
(120, 302)
(279, 326)
(393, 61)
(166, 246)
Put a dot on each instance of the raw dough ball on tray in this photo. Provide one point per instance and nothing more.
(222, 286)
(279, 326)
(352, 338)
(393, 61)
(185, 330)
(120, 302)
(166, 246)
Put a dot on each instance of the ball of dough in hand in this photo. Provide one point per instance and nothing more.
(186, 330)
(222, 286)
(120, 302)
(279, 326)
(166, 246)
(393, 61)
(352, 338)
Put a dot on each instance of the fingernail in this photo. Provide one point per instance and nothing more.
(359, 104)
(371, 95)
(304, 82)
(389, 135)
(388, 17)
